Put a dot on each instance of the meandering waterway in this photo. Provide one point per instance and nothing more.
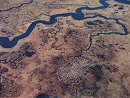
(77, 15)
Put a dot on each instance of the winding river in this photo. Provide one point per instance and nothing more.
(77, 15)
(123, 1)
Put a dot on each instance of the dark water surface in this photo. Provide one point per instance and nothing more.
(78, 15)
(123, 1)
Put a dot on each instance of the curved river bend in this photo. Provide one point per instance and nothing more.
(78, 15)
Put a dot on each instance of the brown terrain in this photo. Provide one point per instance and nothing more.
(59, 60)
